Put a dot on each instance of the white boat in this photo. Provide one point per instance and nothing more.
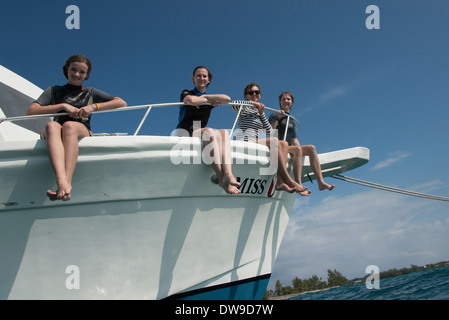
(138, 226)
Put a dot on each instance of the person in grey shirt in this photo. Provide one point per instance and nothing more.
(278, 121)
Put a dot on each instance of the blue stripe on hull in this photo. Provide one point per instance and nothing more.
(249, 289)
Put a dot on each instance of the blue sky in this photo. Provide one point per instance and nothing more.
(385, 89)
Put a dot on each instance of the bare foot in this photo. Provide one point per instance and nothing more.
(66, 197)
(230, 185)
(284, 187)
(305, 193)
(297, 187)
(230, 189)
(62, 193)
(51, 195)
(325, 185)
(231, 180)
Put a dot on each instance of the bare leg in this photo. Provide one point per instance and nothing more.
(56, 154)
(309, 150)
(62, 145)
(296, 154)
(216, 144)
(71, 133)
(284, 181)
(283, 146)
(210, 144)
(226, 159)
(282, 186)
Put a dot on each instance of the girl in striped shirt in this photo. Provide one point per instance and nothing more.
(252, 122)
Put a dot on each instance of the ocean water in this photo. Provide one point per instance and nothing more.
(425, 285)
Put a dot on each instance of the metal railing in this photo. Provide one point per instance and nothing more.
(149, 107)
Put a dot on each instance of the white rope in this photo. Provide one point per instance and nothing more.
(387, 188)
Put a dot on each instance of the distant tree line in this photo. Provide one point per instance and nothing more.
(399, 272)
(335, 278)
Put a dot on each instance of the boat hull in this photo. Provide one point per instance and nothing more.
(138, 226)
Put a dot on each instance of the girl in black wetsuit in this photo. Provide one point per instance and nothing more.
(193, 118)
(62, 135)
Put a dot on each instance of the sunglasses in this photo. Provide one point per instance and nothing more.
(257, 92)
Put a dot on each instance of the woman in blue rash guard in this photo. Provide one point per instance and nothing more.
(193, 118)
(64, 132)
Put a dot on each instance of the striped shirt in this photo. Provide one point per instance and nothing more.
(251, 123)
